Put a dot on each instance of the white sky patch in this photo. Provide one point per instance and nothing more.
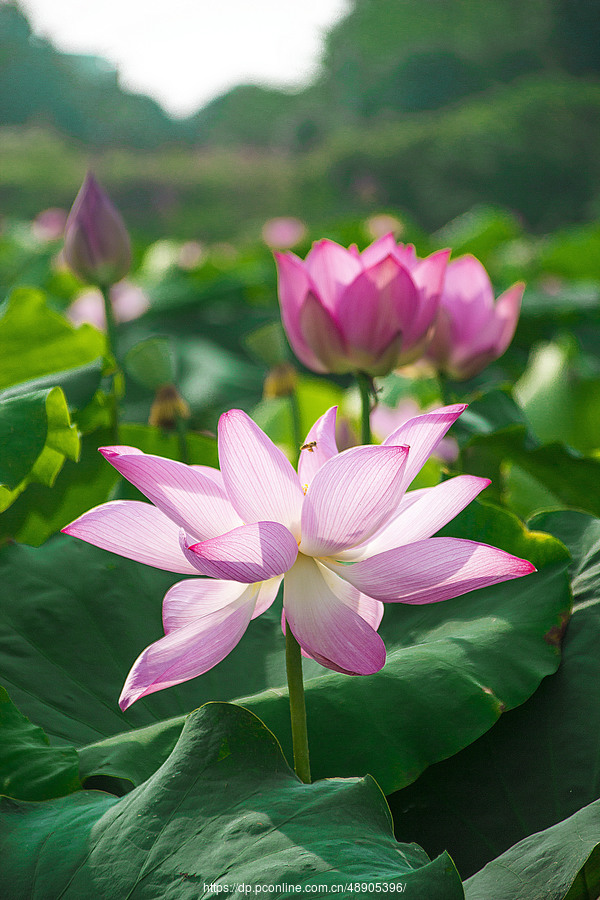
(185, 52)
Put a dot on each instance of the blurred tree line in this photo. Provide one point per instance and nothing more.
(428, 107)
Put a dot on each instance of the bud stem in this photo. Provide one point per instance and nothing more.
(111, 343)
(111, 325)
(293, 662)
(365, 386)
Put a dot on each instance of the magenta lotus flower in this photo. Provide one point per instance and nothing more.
(97, 246)
(471, 330)
(341, 532)
(346, 311)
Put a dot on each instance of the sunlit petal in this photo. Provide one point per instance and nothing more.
(432, 570)
(135, 530)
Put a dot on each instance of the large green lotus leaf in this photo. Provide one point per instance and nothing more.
(36, 435)
(152, 363)
(213, 377)
(41, 512)
(496, 437)
(573, 479)
(493, 412)
(37, 341)
(561, 863)
(75, 618)
(539, 764)
(560, 396)
(30, 769)
(224, 810)
(573, 252)
(479, 231)
(79, 384)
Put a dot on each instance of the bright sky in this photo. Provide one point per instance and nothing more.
(184, 52)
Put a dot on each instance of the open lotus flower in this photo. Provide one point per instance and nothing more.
(341, 531)
(471, 330)
(346, 311)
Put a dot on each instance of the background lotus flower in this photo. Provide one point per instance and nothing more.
(97, 246)
(346, 311)
(49, 225)
(283, 232)
(128, 302)
(341, 530)
(471, 330)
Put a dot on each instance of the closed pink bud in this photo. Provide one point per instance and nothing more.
(97, 245)
(472, 330)
(346, 311)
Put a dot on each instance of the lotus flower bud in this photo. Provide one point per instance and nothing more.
(472, 330)
(280, 381)
(97, 245)
(167, 408)
(346, 311)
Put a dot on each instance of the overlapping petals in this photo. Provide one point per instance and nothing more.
(184, 493)
(421, 514)
(342, 534)
(320, 445)
(323, 620)
(423, 434)
(135, 530)
(247, 554)
(350, 497)
(260, 481)
(345, 311)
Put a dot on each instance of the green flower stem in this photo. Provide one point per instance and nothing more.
(293, 662)
(111, 325)
(365, 386)
(111, 330)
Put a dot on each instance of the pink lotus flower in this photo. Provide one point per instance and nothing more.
(346, 311)
(283, 232)
(49, 225)
(471, 330)
(128, 301)
(341, 531)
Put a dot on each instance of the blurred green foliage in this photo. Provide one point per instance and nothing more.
(427, 114)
